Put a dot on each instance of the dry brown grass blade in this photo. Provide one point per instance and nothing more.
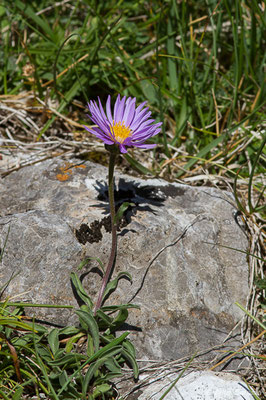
(53, 110)
(34, 162)
(65, 70)
(216, 113)
(236, 352)
(253, 104)
(14, 356)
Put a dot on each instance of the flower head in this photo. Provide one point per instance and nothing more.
(128, 125)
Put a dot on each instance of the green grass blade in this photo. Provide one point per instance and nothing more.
(233, 248)
(259, 152)
(43, 369)
(177, 379)
(251, 316)
(27, 10)
(203, 152)
(21, 304)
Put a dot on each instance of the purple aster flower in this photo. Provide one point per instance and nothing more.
(127, 126)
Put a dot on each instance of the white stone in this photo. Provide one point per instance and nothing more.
(205, 385)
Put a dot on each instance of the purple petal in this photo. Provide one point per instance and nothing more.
(147, 129)
(143, 125)
(108, 110)
(122, 148)
(101, 124)
(129, 112)
(145, 146)
(102, 110)
(143, 115)
(99, 134)
(120, 110)
(140, 107)
(117, 103)
(96, 111)
(144, 131)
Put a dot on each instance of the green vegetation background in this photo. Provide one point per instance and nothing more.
(201, 66)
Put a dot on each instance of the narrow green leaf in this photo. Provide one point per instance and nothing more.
(69, 331)
(87, 320)
(137, 166)
(103, 317)
(21, 304)
(132, 361)
(111, 286)
(72, 340)
(129, 347)
(85, 262)
(43, 370)
(121, 211)
(148, 90)
(256, 6)
(116, 308)
(171, 50)
(67, 359)
(121, 318)
(113, 366)
(251, 390)
(96, 365)
(53, 340)
(3, 395)
(80, 290)
(17, 394)
(240, 251)
(57, 57)
(100, 390)
(15, 324)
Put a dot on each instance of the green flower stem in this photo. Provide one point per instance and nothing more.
(113, 224)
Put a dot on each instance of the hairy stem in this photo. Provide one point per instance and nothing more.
(114, 227)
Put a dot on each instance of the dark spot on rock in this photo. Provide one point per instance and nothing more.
(106, 223)
(176, 319)
(172, 191)
(91, 234)
(149, 193)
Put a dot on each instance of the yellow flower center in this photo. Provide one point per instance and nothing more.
(120, 131)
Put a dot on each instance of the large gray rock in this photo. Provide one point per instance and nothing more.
(57, 214)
